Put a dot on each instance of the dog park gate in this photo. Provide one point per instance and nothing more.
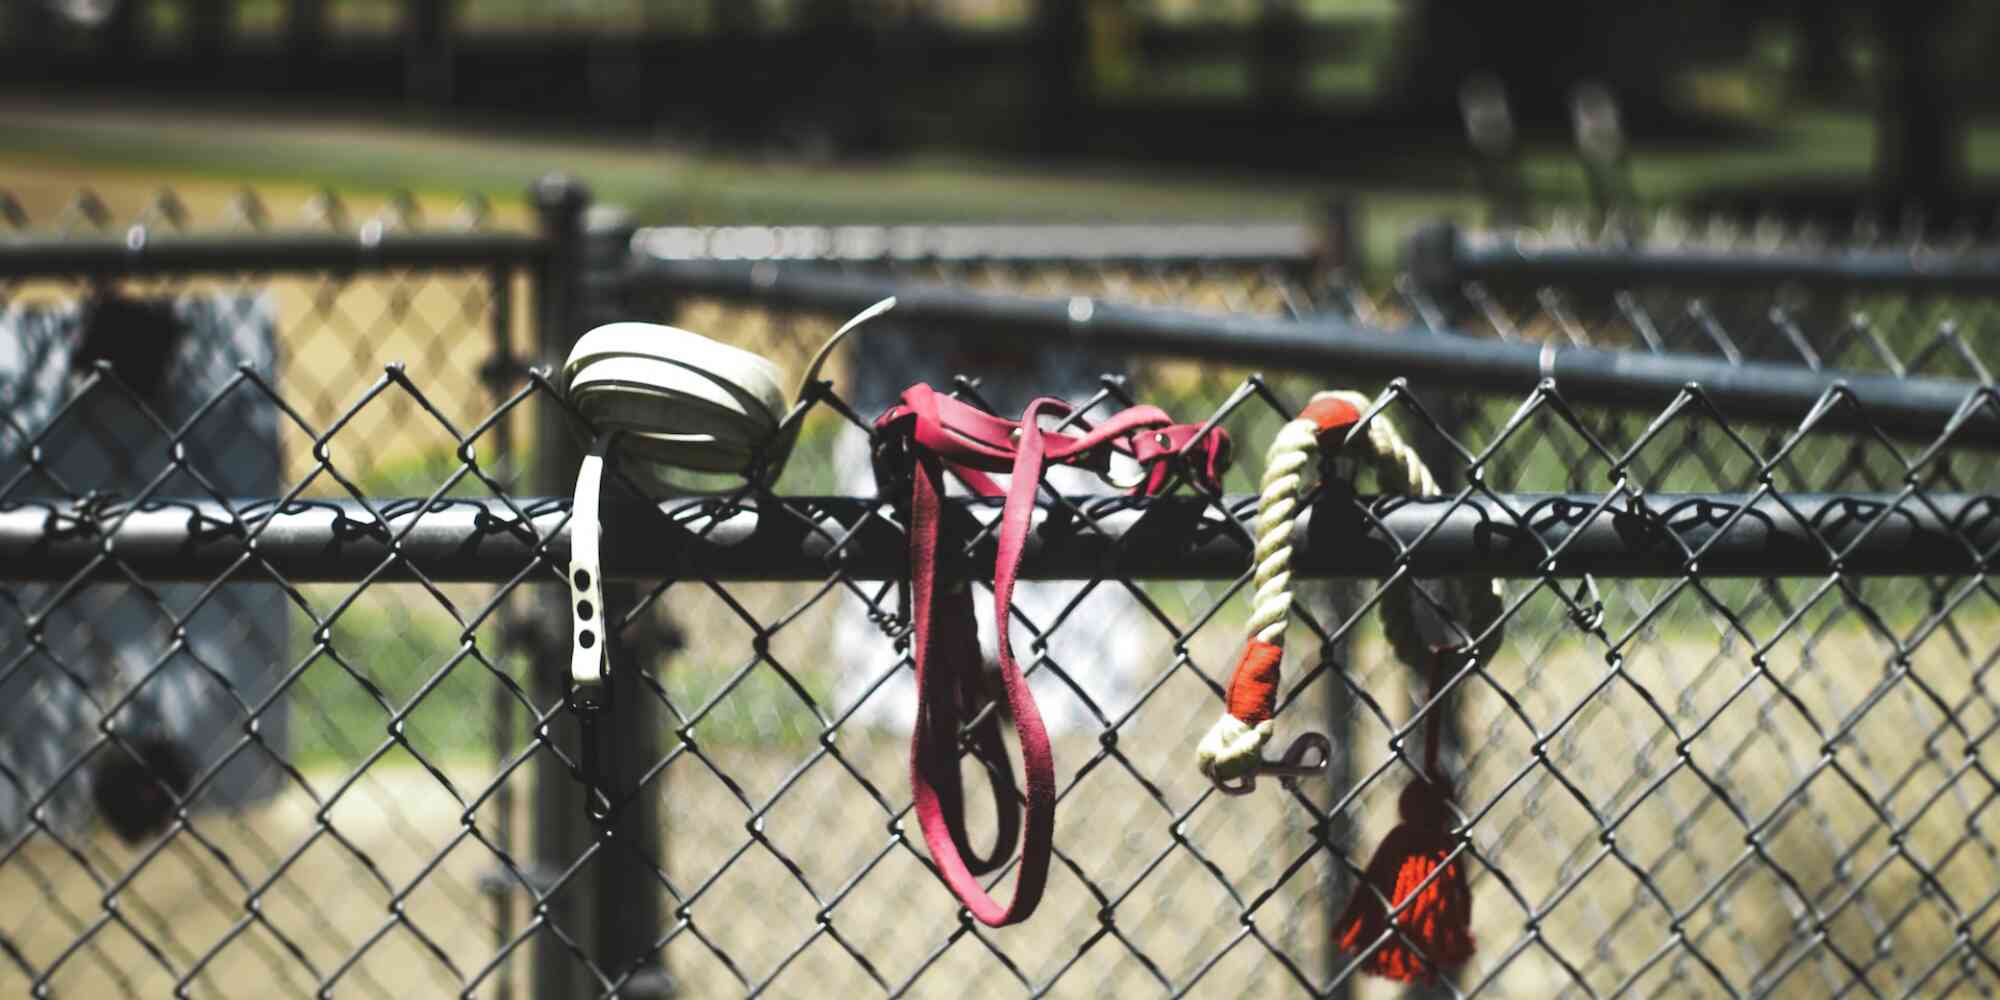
(1743, 811)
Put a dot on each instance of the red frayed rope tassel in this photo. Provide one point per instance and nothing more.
(1414, 884)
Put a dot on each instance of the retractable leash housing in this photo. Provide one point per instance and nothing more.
(661, 399)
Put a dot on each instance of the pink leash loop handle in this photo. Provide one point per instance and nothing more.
(945, 434)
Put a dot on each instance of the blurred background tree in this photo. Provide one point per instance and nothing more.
(1840, 104)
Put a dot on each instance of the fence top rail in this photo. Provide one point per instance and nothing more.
(805, 538)
(1920, 408)
(1518, 259)
(1228, 242)
(139, 251)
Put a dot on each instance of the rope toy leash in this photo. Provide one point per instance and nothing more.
(1231, 753)
(662, 398)
(1412, 917)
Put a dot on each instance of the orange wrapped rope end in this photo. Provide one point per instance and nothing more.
(1331, 413)
(1253, 688)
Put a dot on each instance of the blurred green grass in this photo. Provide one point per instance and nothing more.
(103, 145)
(393, 652)
(1772, 137)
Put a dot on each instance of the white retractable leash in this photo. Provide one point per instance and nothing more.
(662, 398)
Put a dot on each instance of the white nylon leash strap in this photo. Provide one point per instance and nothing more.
(662, 398)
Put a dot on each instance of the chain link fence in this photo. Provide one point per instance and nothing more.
(1732, 738)
(229, 350)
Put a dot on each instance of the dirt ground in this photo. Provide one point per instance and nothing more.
(267, 902)
(1607, 853)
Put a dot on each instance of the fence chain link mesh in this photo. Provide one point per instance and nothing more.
(1687, 785)
(336, 691)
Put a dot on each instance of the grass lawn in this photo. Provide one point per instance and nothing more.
(126, 153)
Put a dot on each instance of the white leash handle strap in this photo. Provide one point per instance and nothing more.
(665, 398)
(586, 658)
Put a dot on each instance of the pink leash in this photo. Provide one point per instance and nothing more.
(940, 433)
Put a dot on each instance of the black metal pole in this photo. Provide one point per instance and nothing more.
(305, 38)
(632, 851)
(1511, 260)
(120, 39)
(211, 23)
(1336, 601)
(1281, 66)
(501, 373)
(427, 53)
(1450, 412)
(628, 918)
(1511, 535)
(561, 831)
(1914, 407)
(1339, 266)
(1340, 253)
(1061, 58)
(33, 35)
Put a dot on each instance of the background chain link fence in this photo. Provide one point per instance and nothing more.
(1677, 776)
(128, 689)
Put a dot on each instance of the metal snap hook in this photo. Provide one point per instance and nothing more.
(1309, 757)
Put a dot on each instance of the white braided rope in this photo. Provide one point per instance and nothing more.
(1277, 515)
(1232, 748)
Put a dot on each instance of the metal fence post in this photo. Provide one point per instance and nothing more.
(627, 918)
(1061, 58)
(1489, 128)
(1338, 266)
(1336, 602)
(1432, 262)
(1430, 257)
(119, 38)
(32, 37)
(210, 25)
(1340, 253)
(305, 34)
(561, 831)
(1283, 63)
(427, 57)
